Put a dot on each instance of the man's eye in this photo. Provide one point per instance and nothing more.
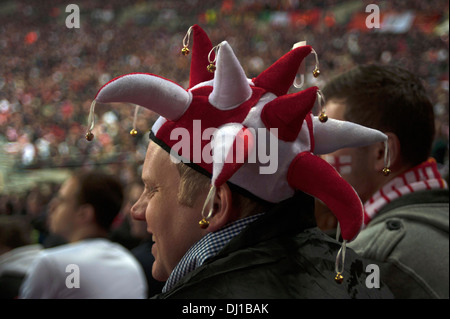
(151, 191)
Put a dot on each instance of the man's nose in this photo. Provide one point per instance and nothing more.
(138, 210)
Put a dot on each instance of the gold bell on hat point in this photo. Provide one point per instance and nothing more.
(316, 72)
(323, 117)
(185, 51)
(133, 132)
(89, 136)
(211, 67)
(339, 278)
(203, 223)
(386, 171)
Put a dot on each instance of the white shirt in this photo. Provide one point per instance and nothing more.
(91, 268)
(19, 260)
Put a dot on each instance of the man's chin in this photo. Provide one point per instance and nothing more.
(157, 274)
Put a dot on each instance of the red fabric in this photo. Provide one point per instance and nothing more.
(316, 177)
(287, 112)
(279, 77)
(199, 61)
(210, 117)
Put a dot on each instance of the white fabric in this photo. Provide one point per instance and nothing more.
(158, 123)
(222, 147)
(155, 93)
(334, 134)
(106, 271)
(231, 87)
(19, 260)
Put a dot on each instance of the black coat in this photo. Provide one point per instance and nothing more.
(281, 255)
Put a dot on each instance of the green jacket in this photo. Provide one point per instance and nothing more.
(408, 240)
(280, 255)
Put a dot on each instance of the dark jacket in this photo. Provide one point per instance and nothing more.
(409, 241)
(280, 255)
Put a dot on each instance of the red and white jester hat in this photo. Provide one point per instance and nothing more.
(234, 116)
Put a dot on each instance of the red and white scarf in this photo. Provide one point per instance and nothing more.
(424, 176)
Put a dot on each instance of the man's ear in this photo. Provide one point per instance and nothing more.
(394, 153)
(86, 214)
(223, 212)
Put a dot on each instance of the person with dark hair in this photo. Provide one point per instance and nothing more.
(406, 209)
(90, 265)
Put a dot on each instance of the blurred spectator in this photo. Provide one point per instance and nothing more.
(406, 210)
(16, 254)
(82, 213)
(37, 200)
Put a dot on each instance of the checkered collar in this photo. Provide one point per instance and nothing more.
(205, 248)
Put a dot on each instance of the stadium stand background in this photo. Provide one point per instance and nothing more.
(49, 74)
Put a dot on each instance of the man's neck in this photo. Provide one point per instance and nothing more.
(87, 233)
